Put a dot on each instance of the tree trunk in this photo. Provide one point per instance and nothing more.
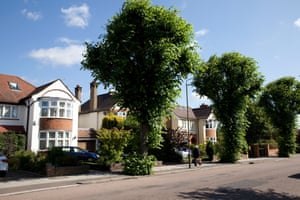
(143, 139)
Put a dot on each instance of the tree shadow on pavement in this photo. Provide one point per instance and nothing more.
(297, 176)
(15, 175)
(233, 193)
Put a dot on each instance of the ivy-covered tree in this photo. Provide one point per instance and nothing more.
(259, 127)
(145, 55)
(229, 81)
(281, 100)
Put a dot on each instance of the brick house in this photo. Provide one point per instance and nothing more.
(178, 121)
(202, 123)
(207, 124)
(47, 115)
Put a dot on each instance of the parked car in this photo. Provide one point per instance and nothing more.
(183, 151)
(3, 165)
(80, 153)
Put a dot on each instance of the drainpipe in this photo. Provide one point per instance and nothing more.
(27, 124)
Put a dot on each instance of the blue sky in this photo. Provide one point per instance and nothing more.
(42, 41)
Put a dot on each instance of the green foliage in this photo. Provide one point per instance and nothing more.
(27, 161)
(145, 54)
(113, 141)
(229, 81)
(57, 157)
(167, 152)
(110, 121)
(139, 165)
(281, 100)
(260, 127)
(133, 125)
(11, 142)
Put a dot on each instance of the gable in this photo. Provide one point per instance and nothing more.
(54, 89)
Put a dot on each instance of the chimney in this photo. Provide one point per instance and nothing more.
(78, 92)
(93, 95)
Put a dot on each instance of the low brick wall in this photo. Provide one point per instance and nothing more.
(70, 170)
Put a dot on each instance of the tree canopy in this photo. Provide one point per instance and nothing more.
(229, 81)
(145, 54)
(281, 100)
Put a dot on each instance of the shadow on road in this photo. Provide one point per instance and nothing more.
(231, 193)
(297, 176)
(15, 175)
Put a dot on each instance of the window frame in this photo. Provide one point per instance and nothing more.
(9, 111)
(51, 138)
(56, 108)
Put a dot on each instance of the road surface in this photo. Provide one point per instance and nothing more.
(276, 179)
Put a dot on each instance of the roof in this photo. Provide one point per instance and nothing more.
(42, 87)
(104, 103)
(14, 95)
(86, 133)
(203, 112)
(16, 129)
(181, 112)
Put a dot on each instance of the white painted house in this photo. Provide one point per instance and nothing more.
(47, 115)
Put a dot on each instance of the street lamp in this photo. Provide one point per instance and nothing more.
(188, 121)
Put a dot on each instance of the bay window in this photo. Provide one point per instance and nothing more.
(56, 108)
(54, 138)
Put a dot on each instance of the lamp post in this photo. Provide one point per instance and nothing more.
(188, 121)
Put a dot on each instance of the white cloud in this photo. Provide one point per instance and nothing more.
(77, 16)
(59, 56)
(68, 40)
(297, 22)
(31, 15)
(201, 32)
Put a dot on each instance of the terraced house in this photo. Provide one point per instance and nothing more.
(47, 115)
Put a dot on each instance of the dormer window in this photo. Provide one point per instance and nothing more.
(13, 86)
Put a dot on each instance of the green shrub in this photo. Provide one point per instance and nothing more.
(113, 143)
(111, 121)
(59, 158)
(11, 142)
(138, 165)
(27, 161)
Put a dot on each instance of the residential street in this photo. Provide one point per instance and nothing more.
(269, 178)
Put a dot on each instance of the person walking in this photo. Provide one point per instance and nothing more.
(196, 156)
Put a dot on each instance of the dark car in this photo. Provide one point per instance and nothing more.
(80, 153)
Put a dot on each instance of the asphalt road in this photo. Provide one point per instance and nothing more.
(275, 178)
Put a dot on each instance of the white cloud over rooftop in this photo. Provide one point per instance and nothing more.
(76, 16)
(59, 56)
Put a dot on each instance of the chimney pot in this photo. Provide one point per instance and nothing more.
(93, 95)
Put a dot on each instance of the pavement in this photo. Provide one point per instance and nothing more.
(18, 179)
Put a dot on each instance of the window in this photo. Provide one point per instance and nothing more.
(13, 86)
(8, 111)
(56, 108)
(211, 123)
(50, 139)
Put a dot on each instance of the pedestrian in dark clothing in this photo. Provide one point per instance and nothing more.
(196, 156)
(210, 151)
